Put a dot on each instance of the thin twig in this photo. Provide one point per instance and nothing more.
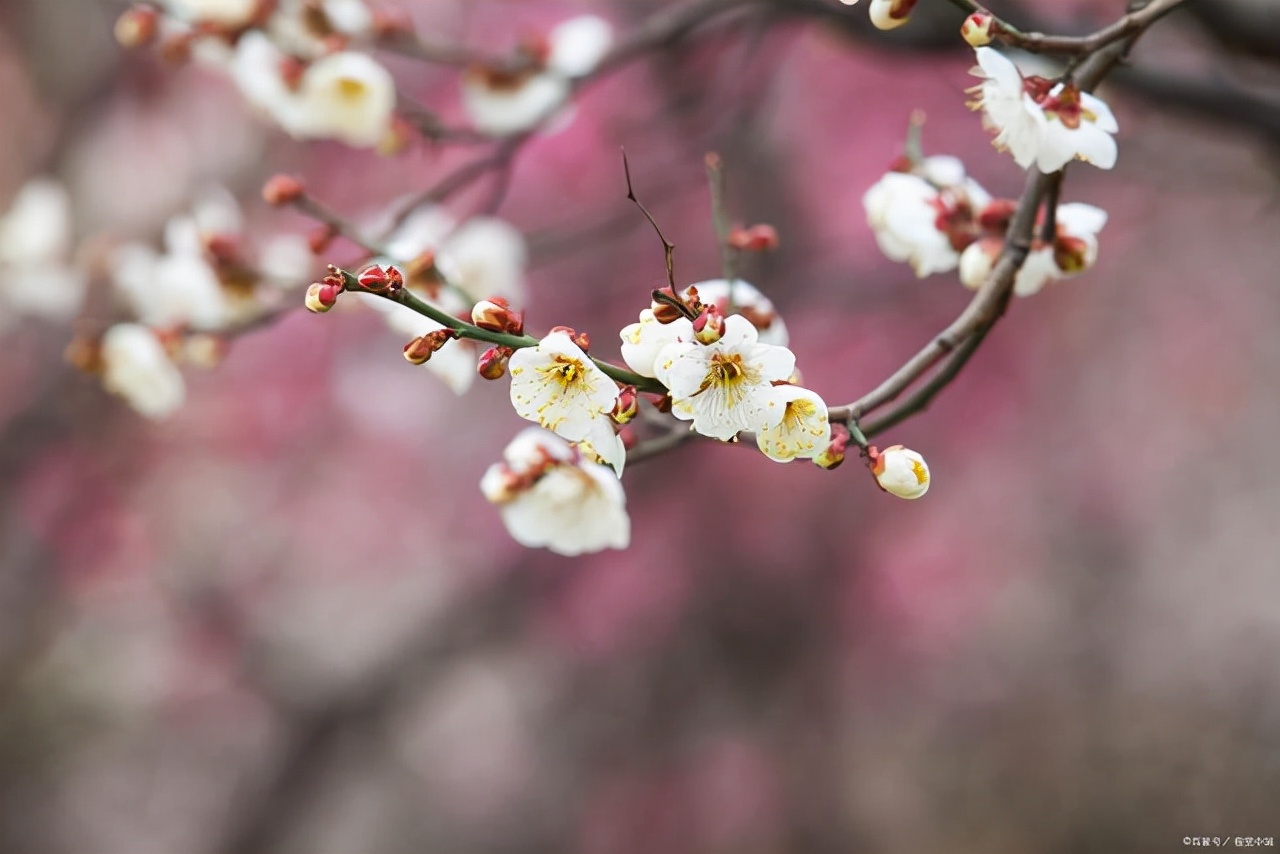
(668, 248)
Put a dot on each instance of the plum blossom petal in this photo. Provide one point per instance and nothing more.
(550, 497)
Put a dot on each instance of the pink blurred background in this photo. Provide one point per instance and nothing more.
(286, 620)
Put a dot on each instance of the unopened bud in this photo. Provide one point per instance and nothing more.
(282, 190)
(85, 354)
(420, 349)
(137, 27)
(757, 238)
(496, 315)
(890, 14)
(320, 238)
(627, 406)
(978, 29)
(709, 327)
(375, 279)
(977, 261)
(321, 297)
(899, 471)
(1072, 254)
(997, 213)
(493, 362)
(833, 455)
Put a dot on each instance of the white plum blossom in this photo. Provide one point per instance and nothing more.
(224, 13)
(558, 386)
(642, 340)
(1040, 122)
(36, 276)
(923, 219)
(747, 301)
(890, 14)
(550, 497)
(901, 472)
(297, 28)
(804, 431)
(503, 103)
(136, 366)
(727, 386)
(347, 96)
(485, 257)
(1074, 251)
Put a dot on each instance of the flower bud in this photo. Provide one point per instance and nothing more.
(890, 14)
(375, 279)
(420, 349)
(977, 261)
(496, 315)
(978, 29)
(627, 405)
(137, 27)
(320, 238)
(281, 190)
(757, 238)
(709, 327)
(321, 297)
(899, 471)
(833, 455)
(996, 215)
(1072, 254)
(493, 362)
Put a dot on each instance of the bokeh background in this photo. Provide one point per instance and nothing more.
(285, 620)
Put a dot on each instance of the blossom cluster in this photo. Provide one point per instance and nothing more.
(309, 66)
(708, 359)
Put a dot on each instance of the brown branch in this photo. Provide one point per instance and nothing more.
(989, 303)
(1130, 25)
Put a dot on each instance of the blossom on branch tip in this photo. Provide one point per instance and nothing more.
(925, 217)
(550, 497)
(1073, 251)
(231, 14)
(1040, 122)
(745, 299)
(37, 278)
(979, 29)
(504, 102)
(899, 471)
(136, 366)
(726, 387)
(347, 96)
(802, 433)
(557, 385)
(890, 14)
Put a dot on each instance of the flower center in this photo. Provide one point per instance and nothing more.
(350, 89)
(797, 412)
(726, 370)
(566, 371)
(922, 476)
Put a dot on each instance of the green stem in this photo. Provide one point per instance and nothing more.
(409, 299)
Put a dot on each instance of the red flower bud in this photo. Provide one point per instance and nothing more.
(493, 362)
(138, 26)
(282, 190)
(757, 238)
